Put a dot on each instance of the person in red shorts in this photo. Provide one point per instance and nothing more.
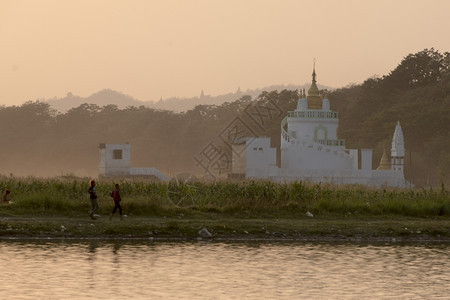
(115, 194)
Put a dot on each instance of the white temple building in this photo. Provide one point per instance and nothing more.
(311, 150)
(115, 161)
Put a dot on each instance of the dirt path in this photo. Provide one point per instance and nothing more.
(368, 229)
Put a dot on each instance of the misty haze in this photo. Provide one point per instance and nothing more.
(51, 138)
(254, 149)
(169, 78)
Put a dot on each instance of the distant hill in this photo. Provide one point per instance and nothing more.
(108, 96)
(101, 98)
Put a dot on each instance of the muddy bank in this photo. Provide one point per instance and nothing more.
(305, 229)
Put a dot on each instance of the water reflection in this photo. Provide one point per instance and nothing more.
(140, 270)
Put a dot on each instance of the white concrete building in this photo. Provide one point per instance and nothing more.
(115, 161)
(311, 150)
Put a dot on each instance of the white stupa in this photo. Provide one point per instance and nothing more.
(312, 151)
(398, 149)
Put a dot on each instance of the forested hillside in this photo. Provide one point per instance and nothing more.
(39, 141)
(416, 93)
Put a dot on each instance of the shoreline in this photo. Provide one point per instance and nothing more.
(307, 240)
(322, 229)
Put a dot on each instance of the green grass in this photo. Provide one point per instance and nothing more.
(58, 207)
(56, 196)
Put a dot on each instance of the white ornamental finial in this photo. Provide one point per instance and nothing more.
(398, 147)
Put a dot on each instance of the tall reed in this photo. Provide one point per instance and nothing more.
(66, 196)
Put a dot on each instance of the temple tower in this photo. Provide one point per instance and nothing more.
(309, 135)
(398, 149)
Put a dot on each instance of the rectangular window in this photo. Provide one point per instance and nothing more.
(117, 154)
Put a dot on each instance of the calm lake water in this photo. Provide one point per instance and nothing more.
(202, 270)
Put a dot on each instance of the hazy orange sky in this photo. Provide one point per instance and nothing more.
(153, 49)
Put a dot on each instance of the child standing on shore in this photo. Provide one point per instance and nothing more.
(115, 194)
(93, 196)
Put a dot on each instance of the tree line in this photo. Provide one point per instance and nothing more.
(37, 140)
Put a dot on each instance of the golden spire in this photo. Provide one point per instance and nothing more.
(314, 99)
(314, 71)
(384, 162)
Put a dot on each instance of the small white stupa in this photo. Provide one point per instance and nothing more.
(115, 161)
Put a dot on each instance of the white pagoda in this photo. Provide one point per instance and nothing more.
(311, 150)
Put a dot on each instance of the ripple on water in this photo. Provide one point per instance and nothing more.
(105, 270)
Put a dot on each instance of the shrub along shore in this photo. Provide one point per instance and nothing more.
(58, 207)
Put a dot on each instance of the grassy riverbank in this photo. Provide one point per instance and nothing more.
(229, 210)
(228, 228)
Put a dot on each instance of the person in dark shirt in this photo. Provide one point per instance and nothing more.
(5, 196)
(115, 194)
(93, 197)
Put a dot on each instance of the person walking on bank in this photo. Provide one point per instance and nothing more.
(115, 194)
(93, 197)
